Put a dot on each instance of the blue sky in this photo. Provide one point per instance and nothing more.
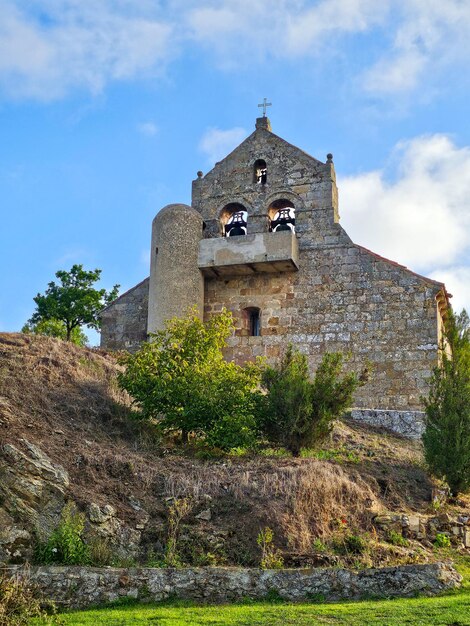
(108, 108)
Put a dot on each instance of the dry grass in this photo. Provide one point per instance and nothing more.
(309, 499)
(65, 400)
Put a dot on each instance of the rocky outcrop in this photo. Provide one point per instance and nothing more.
(105, 526)
(81, 587)
(425, 528)
(32, 495)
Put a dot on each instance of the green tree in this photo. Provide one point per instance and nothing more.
(181, 379)
(447, 435)
(55, 328)
(299, 411)
(74, 301)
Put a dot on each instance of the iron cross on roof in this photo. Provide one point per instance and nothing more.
(265, 104)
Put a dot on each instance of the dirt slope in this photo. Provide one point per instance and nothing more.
(65, 401)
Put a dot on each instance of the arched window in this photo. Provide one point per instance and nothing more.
(282, 216)
(253, 321)
(260, 172)
(234, 218)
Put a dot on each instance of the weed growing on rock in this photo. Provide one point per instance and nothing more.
(350, 544)
(177, 511)
(65, 545)
(442, 541)
(397, 539)
(271, 557)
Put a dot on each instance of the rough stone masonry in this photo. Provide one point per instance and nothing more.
(86, 586)
(262, 238)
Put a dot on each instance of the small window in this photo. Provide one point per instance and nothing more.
(260, 172)
(253, 320)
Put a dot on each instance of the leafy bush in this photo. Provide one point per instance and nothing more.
(55, 328)
(181, 379)
(271, 557)
(350, 544)
(65, 545)
(442, 541)
(19, 603)
(447, 435)
(299, 411)
(397, 539)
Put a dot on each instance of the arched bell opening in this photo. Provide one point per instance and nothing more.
(282, 216)
(260, 172)
(234, 218)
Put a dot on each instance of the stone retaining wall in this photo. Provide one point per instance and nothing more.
(82, 586)
(407, 423)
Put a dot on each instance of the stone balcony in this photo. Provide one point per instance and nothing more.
(250, 254)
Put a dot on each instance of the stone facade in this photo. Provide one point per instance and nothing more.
(124, 322)
(80, 587)
(313, 287)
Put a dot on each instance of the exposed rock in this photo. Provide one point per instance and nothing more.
(33, 493)
(205, 515)
(124, 541)
(100, 515)
(426, 528)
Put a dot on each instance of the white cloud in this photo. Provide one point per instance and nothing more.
(147, 128)
(431, 36)
(236, 29)
(457, 280)
(421, 217)
(61, 45)
(216, 143)
(49, 48)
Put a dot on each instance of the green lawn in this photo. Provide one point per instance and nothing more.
(450, 610)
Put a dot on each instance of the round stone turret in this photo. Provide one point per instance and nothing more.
(176, 283)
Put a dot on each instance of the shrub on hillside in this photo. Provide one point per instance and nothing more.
(447, 435)
(55, 328)
(65, 546)
(299, 411)
(180, 378)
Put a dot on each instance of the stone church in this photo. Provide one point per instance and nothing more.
(262, 238)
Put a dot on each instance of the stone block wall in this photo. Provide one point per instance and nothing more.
(81, 587)
(410, 424)
(291, 175)
(124, 322)
(347, 299)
